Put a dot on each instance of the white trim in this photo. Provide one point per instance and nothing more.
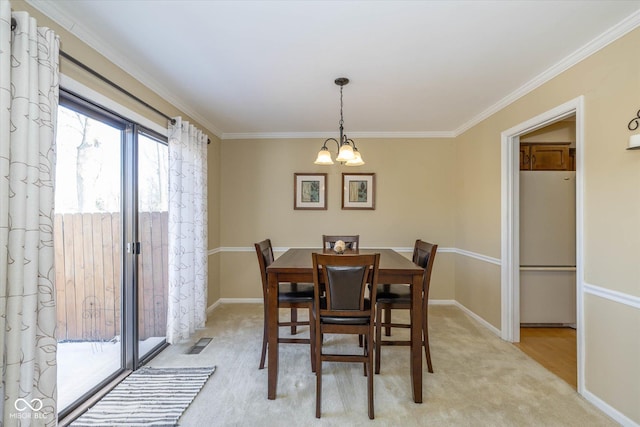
(221, 301)
(76, 87)
(480, 257)
(510, 222)
(620, 297)
(324, 135)
(113, 54)
(478, 319)
(611, 295)
(397, 249)
(618, 416)
(237, 249)
(442, 302)
(604, 39)
(212, 307)
(50, 9)
(240, 300)
(547, 268)
(401, 249)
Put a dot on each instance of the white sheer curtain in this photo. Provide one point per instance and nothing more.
(187, 230)
(28, 107)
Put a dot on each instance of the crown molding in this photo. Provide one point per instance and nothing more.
(324, 135)
(604, 39)
(51, 10)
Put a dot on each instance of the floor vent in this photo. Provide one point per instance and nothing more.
(199, 346)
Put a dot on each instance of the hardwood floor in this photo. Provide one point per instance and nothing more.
(553, 348)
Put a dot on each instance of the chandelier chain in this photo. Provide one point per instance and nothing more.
(341, 119)
(348, 154)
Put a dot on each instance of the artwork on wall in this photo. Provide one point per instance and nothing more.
(358, 191)
(310, 191)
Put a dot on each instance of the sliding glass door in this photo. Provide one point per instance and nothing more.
(87, 252)
(110, 247)
(153, 216)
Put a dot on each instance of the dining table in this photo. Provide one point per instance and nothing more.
(295, 265)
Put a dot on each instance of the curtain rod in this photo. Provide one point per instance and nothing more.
(65, 55)
(118, 87)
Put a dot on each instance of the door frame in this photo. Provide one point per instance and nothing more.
(510, 221)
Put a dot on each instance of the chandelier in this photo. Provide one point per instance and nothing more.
(348, 154)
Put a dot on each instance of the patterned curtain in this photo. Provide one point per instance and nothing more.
(28, 107)
(187, 230)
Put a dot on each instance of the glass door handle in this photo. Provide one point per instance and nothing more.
(133, 248)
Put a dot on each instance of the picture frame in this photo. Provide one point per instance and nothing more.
(309, 191)
(359, 191)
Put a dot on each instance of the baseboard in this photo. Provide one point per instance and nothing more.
(609, 410)
(442, 302)
(221, 301)
(479, 319)
(259, 301)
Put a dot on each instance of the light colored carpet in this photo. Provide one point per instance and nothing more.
(479, 380)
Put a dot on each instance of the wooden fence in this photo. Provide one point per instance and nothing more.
(88, 275)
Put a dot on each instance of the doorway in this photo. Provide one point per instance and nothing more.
(547, 248)
(510, 267)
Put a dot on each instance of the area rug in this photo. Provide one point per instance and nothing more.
(147, 397)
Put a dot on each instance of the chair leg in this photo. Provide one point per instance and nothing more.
(312, 339)
(294, 319)
(318, 355)
(368, 343)
(427, 354)
(387, 319)
(264, 340)
(378, 339)
(365, 348)
(425, 333)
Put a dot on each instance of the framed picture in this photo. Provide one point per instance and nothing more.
(359, 191)
(310, 191)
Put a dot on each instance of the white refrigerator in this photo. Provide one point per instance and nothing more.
(548, 247)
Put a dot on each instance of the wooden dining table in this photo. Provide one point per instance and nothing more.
(295, 265)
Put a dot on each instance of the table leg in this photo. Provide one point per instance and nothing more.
(272, 335)
(416, 338)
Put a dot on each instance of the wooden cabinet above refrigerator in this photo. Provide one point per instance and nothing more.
(549, 157)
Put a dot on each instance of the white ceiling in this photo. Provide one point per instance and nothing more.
(417, 68)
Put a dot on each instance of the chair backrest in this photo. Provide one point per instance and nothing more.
(424, 254)
(345, 279)
(351, 242)
(265, 258)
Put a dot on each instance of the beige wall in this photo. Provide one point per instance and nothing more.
(610, 83)
(447, 191)
(563, 131)
(414, 199)
(612, 354)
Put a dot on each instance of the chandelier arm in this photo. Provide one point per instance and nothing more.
(345, 145)
(324, 146)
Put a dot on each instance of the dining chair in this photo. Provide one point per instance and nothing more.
(290, 295)
(345, 309)
(398, 296)
(351, 242)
